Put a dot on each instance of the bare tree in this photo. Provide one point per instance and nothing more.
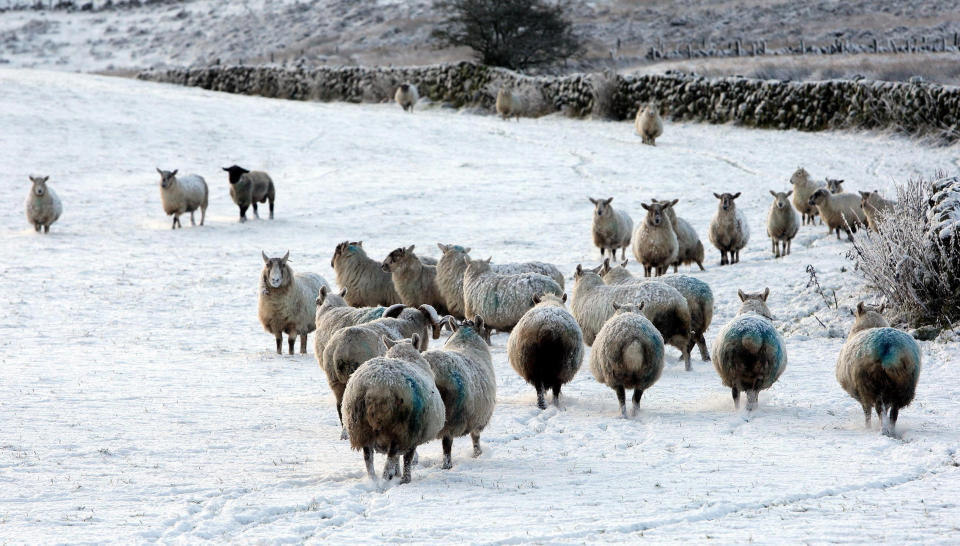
(514, 34)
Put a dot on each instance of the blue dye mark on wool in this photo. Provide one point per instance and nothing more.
(461, 391)
(651, 333)
(459, 248)
(889, 344)
(416, 400)
(352, 248)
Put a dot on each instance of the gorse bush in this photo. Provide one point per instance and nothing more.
(515, 34)
(913, 256)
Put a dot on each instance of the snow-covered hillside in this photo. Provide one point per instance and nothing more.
(140, 399)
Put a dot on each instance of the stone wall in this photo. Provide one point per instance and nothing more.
(917, 109)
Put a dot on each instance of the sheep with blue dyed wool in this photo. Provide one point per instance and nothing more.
(333, 313)
(502, 299)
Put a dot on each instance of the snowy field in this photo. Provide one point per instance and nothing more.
(141, 400)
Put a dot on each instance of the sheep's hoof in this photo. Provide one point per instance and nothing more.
(477, 452)
(344, 435)
(447, 464)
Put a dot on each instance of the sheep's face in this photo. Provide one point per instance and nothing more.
(39, 185)
(399, 260)
(799, 175)
(656, 212)
(405, 87)
(167, 178)
(781, 199)
(235, 172)
(868, 198)
(602, 206)
(478, 266)
(834, 185)
(818, 197)
(869, 316)
(346, 250)
(755, 303)
(275, 270)
(726, 200)
(550, 299)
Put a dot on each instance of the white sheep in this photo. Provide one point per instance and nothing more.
(698, 294)
(464, 374)
(183, 194)
(782, 223)
(453, 263)
(508, 103)
(627, 354)
(664, 305)
(366, 282)
(648, 123)
(803, 188)
(333, 313)
(839, 211)
(407, 96)
(501, 299)
(249, 188)
(654, 241)
(729, 231)
(43, 206)
(611, 228)
(689, 246)
(546, 347)
(288, 301)
(875, 207)
(414, 281)
(748, 352)
(879, 367)
(392, 405)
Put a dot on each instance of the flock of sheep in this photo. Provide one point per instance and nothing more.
(393, 394)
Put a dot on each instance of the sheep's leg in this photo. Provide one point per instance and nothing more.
(271, 209)
(390, 468)
(192, 221)
(303, 344)
(675, 268)
(36, 227)
(243, 213)
(407, 461)
(368, 461)
(541, 403)
(776, 254)
(255, 213)
(700, 265)
(736, 397)
(203, 215)
(637, 393)
(622, 400)
(344, 435)
(866, 415)
(475, 436)
(702, 345)
(447, 448)
(280, 344)
(291, 341)
(172, 226)
(46, 228)
(556, 395)
(686, 358)
(752, 399)
(894, 414)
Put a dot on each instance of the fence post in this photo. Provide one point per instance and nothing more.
(803, 48)
(738, 48)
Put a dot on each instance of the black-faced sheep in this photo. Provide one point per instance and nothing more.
(627, 354)
(546, 347)
(183, 194)
(392, 405)
(879, 367)
(841, 211)
(612, 229)
(467, 383)
(249, 188)
(748, 352)
(648, 123)
(803, 188)
(689, 246)
(654, 241)
(729, 231)
(406, 96)
(415, 281)
(501, 299)
(782, 223)
(366, 282)
(43, 206)
(288, 301)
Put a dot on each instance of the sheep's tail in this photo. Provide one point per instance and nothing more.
(752, 343)
(381, 406)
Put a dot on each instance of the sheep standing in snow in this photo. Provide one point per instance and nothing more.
(546, 347)
(782, 223)
(333, 313)
(183, 194)
(803, 188)
(611, 228)
(453, 264)
(501, 299)
(592, 306)
(689, 247)
(351, 346)
(648, 123)
(627, 354)
(249, 188)
(415, 282)
(654, 241)
(392, 405)
(288, 301)
(839, 211)
(508, 103)
(698, 294)
(729, 231)
(748, 352)
(879, 367)
(366, 282)
(43, 206)
(834, 185)
(406, 96)
(875, 207)
(465, 378)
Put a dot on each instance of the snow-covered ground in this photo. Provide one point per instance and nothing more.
(140, 399)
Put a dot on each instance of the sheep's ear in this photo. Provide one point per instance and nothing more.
(734, 196)
(323, 294)
(859, 309)
(766, 293)
(174, 172)
(840, 181)
(616, 306)
(409, 249)
(743, 297)
(579, 271)
(773, 193)
(608, 200)
(443, 248)
(161, 172)
(789, 193)
(537, 298)
(415, 340)
(285, 257)
(490, 259)
(224, 168)
(640, 307)
(882, 307)
(266, 260)
(624, 263)
(717, 195)
(563, 298)
(388, 342)
(478, 322)
(645, 206)
(359, 243)
(592, 200)
(44, 179)
(343, 292)
(864, 194)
